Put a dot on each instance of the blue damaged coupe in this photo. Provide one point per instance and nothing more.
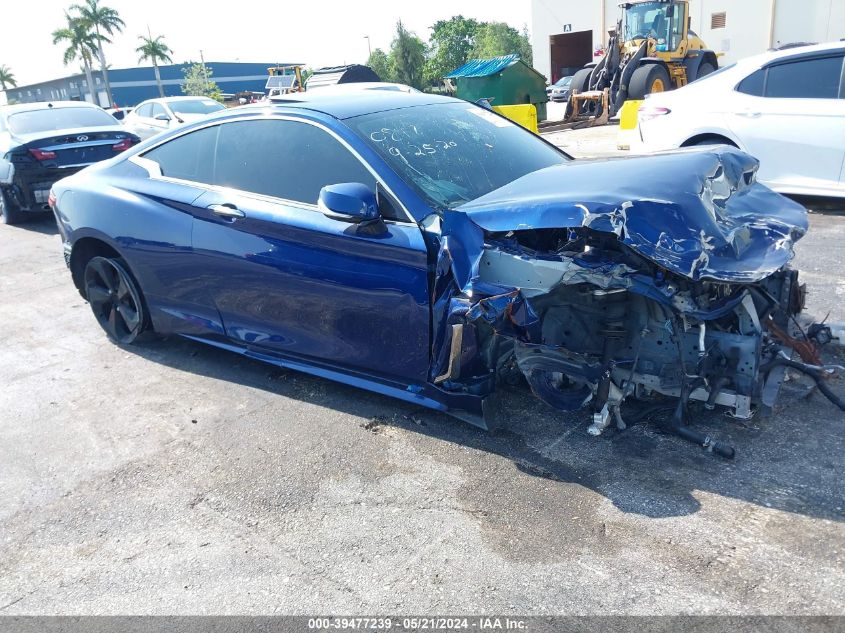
(429, 249)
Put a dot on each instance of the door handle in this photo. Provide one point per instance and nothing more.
(228, 211)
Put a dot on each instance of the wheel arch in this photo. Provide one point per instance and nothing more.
(84, 249)
(711, 136)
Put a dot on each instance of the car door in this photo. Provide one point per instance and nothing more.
(160, 119)
(174, 279)
(138, 120)
(289, 280)
(789, 115)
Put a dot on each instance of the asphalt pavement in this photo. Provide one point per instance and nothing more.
(174, 478)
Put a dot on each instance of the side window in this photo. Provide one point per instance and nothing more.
(284, 159)
(188, 157)
(145, 110)
(753, 84)
(806, 79)
(157, 110)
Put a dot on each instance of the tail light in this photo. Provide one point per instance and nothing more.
(647, 112)
(124, 145)
(51, 200)
(41, 154)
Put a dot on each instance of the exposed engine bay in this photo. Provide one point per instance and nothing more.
(596, 300)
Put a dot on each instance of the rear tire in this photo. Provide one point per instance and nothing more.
(648, 79)
(9, 213)
(115, 300)
(705, 69)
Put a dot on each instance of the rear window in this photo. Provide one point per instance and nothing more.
(200, 106)
(55, 119)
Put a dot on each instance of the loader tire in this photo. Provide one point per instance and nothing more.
(705, 69)
(648, 79)
(580, 80)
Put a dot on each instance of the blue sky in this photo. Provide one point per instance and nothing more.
(319, 32)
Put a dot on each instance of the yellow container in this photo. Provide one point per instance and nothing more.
(628, 114)
(525, 114)
(628, 124)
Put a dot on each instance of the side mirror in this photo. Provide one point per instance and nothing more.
(162, 117)
(348, 202)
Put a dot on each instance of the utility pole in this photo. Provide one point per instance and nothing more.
(369, 47)
(204, 71)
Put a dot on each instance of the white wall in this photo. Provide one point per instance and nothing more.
(746, 29)
(746, 32)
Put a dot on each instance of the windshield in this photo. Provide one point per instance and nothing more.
(660, 20)
(456, 152)
(564, 81)
(200, 106)
(53, 119)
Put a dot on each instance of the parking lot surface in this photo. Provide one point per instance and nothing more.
(174, 478)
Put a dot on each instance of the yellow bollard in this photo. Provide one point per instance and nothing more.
(627, 123)
(525, 114)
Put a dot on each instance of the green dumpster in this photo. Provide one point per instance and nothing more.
(505, 80)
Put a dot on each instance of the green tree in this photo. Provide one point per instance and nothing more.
(198, 82)
(7, 79)
(81, 45)
(379, 61)
(103, 20)
(154, 50)
(407, 57)
(497, 38)
(449, 46)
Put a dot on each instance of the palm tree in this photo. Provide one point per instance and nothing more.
(7, 79)
(155, 50)
(103, 20)
(81, 44)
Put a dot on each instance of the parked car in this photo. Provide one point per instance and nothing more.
(157, 115)
(119, 113)
(559, 90)
(426, 248)
(41, 143)
(787, 108)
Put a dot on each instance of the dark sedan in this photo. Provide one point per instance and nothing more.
(559, 91)
(41, 143)
(429, 249)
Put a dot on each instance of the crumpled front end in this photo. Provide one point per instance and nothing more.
(601, 281)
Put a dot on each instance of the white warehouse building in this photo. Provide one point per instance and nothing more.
(566, 33)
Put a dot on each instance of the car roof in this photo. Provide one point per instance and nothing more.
(794, 52)
(348, 104)
(174, 99)
(45, 105)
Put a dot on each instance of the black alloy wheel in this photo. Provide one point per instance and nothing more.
(115, 299)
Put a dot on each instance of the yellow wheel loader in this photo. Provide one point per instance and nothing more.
(652, 50)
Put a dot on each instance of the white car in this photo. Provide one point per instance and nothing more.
(157, 115)
(786, 108)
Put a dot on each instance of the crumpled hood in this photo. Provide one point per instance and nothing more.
(698, 212)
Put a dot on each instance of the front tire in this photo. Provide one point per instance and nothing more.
(580, 80)
(9, 213)
(115, 300)
(648, 79)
